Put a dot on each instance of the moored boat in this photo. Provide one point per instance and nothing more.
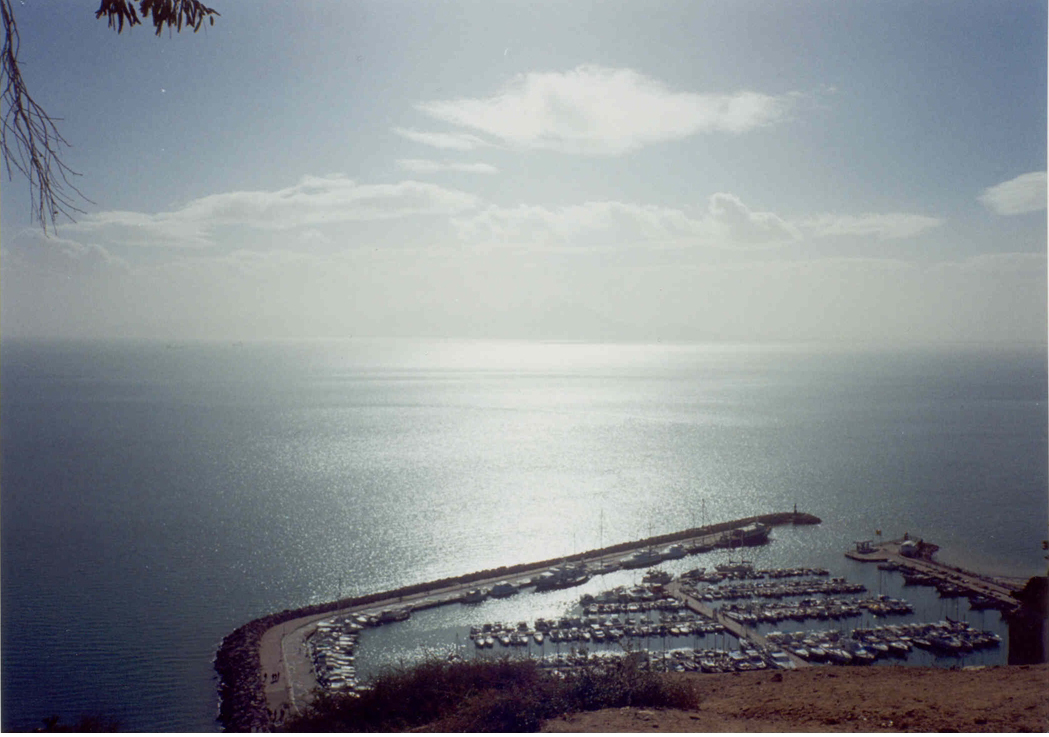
(502, 589)
(642, 559)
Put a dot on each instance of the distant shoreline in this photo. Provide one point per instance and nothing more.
(242, 691)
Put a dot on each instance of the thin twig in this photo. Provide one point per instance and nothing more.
(30, 140)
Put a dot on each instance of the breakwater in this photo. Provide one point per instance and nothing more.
(242, 699)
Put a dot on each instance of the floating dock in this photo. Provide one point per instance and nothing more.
(738, 629)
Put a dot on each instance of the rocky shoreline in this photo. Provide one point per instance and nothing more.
(242, 700)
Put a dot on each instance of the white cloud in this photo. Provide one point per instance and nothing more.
(1025, 193)
(725, 222)
(456, 141)
(602, 111)
(139, 228)
(891, 225)
(737, 225)
(31, 249)
(312, 238)
(200, 265)
(426, 166)
(314, 201)
(998, 264)
(990, 298)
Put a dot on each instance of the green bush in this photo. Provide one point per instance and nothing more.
(86, 723)
(490, 696)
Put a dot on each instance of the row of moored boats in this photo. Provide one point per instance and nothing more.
(865, 645)
(756, 612)
(594, 629)
(776, 590)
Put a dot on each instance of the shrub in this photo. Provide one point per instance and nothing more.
(491, 696)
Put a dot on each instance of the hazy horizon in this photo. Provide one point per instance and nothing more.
(868, 173)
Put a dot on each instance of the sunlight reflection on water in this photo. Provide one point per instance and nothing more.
(201, 488)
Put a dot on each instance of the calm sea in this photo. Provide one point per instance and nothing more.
(155, 497)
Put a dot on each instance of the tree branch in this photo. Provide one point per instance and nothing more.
(30, 140)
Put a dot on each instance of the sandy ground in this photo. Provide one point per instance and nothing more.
(843, 699)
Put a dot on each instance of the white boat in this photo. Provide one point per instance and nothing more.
(675, 551)
(863, 656)
(656, 575)
(742, 566)
(642, 558)
(878, 648)
(838, 656)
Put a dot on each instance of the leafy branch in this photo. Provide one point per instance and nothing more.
(164, 13)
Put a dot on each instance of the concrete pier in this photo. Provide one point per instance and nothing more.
(889, 552)
(739, 630)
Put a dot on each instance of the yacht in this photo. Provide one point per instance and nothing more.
(675, 551)
(502, 589)
(742, 566)
(657, 575)
(642, 559)
(474, 596)
(562, 577)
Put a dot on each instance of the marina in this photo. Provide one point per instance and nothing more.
(713, 619)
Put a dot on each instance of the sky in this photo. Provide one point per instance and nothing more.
(730, 170)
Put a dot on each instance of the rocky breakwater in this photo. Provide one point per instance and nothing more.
(242, 701)
(242, 697)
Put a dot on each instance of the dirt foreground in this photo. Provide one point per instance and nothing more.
(844, 699)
